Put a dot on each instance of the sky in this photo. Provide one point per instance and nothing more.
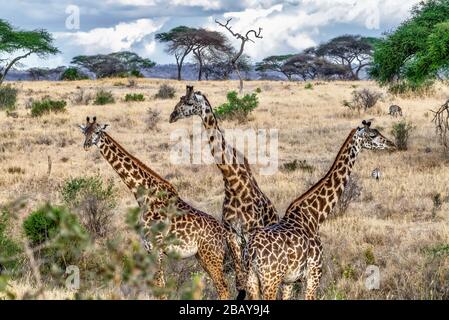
(93, 27)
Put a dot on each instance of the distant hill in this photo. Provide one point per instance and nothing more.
(163, 71)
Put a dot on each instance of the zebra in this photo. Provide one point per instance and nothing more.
(375, 174)
(395, 110)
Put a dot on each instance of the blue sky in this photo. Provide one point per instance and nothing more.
(113, 25)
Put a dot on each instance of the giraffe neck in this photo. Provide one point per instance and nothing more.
(313, 207)
(227, 158)
(136, 175)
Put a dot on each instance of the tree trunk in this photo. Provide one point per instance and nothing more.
(240, 78)
(179, 70)
(9, 66)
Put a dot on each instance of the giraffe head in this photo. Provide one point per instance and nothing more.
(92, 131)
(188, 105)
(372, 139)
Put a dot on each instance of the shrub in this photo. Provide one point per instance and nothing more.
(136, 73)
(93, 201)
(166, 92)
(10, 250)
(401, 131)
(57, 234)
(134, 97)
(103, 97)
(8, 97)
(152, 119)
(258, 90)
(295, 165)
(308, 86)
(82, 97)
(352, 192)
(362, 100)
(72, 74)
(411, 89)
(237, 108)
(46, 106)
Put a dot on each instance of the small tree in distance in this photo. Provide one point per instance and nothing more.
(243, 40)
(123, 63)
(26, 43)
(181, 42)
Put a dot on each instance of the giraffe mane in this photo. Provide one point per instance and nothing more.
(142, 165)
(332, 168)
(245, 160)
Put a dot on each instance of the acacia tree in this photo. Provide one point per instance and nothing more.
(114, 64)
(180, 43)
(205, 40)
(24, 44)
(353, 51)
(417, 52)
(276, 63)
(243, 40)
(45, 73)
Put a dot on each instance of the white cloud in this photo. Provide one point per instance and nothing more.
(205, 4)
(293, 25)
(124, 36)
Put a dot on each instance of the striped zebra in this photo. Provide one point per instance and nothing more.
(395, 110)
(376, 174)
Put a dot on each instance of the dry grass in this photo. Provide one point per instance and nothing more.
(392, 224)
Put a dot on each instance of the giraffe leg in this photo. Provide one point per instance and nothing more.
(159, 277)
(270, 287)
(212, 260)
(252, 285)
(287, 291)
(236, 253)
(314, 266)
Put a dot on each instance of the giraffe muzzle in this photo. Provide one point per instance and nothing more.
(173, 117)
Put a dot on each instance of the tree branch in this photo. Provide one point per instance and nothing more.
(9, 66)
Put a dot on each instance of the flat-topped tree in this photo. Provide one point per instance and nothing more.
(180, 43)
(243, 40)
(353, 51)
(16, 45)
(205, 40)
(275, 63)
(114, 64)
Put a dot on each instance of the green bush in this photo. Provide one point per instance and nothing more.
(237, 108)
(308, 86)
(295, 165)
(93, 201)
(134, 97)
(136, 73)
(72, 74)
(401, 131)
(8, 97)
(10, 250)
(165, 92)
(39, 108)
(104, 97)
(58, 233)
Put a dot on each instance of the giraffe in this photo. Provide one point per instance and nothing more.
(280, 254)
(197, 233)
(245, 206)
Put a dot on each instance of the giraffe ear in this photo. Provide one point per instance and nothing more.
(87, 119)
(94, 119)
(189, 90)
(82, 128)
(105, 126)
